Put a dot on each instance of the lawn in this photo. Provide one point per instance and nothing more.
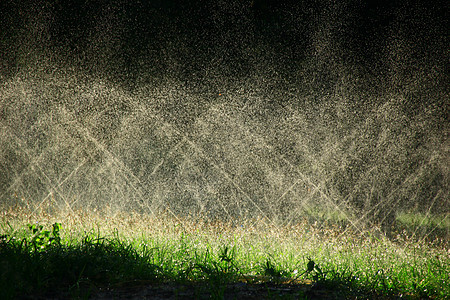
(99, 255)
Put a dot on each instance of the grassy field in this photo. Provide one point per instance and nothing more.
(97, 254)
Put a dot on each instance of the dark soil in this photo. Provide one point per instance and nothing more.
(142, 290)
(205, 291)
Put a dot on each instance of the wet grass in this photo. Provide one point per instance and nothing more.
(79, 255)
(421, 220)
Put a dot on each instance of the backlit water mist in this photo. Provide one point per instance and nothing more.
(242, 133)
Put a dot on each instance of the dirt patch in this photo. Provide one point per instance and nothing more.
(238, 290)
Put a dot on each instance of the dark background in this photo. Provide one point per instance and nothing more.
(135, 42)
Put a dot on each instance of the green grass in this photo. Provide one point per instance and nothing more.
(422, 220)
(77, 254)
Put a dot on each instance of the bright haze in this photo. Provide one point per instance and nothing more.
(325, 111)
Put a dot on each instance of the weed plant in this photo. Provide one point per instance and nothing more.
(79, 254)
